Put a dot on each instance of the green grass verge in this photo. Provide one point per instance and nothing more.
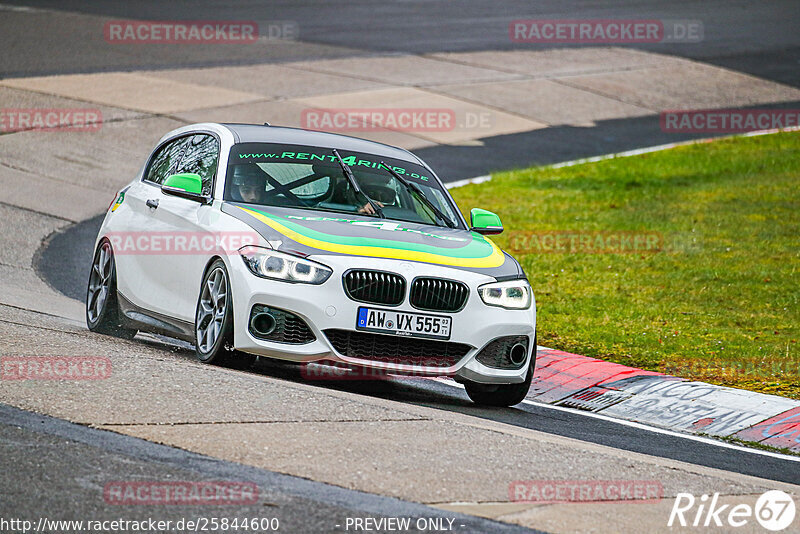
(751, 444)
(717, 301)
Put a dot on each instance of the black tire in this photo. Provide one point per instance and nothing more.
(102, 305)
(502, 394)
(219, 351)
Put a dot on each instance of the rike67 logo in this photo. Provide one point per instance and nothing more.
(774, 511)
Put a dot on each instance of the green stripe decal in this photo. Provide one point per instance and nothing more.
(477, 252)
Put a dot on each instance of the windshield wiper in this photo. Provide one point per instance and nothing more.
(352, 179)
(414, 188)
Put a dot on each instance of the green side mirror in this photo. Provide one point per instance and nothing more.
(189, 182)
(485, 222)
(185, 185)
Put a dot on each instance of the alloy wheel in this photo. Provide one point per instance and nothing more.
(99, 282)
(212, 309)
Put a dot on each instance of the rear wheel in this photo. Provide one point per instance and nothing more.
(214, 321)
(502, 394)
(102, 306)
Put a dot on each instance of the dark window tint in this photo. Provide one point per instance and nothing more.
(201, 153)
(196, 154)
(312, 178)
(166, 160)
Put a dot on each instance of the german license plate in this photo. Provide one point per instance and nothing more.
(403, 323)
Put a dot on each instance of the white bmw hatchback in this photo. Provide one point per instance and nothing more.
(307, 246)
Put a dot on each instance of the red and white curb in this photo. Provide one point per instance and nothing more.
(655, 399)
(665, 401)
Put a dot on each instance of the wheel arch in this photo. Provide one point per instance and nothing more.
(210, 262)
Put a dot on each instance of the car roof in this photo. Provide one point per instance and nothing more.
(254, 133)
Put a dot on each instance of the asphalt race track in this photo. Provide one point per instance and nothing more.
(68, 451)
(49, 37)
(755, 38)
(75, 246)
(750, 37)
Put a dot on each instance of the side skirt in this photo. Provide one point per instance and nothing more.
(147, 321)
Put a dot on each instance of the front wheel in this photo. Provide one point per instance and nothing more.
(502, 394)
(214, 321)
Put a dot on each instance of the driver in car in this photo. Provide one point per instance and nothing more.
(376, 190)
(249, 184)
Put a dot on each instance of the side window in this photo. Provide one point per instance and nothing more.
(166, 161)
(200, 157)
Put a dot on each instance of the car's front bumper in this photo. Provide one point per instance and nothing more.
(327, 306)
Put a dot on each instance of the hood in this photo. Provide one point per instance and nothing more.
(311, 232)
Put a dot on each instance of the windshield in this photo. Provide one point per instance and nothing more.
(312, 178)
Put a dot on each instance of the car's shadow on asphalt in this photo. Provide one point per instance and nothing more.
(417, 390)
(413, 390)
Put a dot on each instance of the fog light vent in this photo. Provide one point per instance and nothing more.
(509, 352)
(281, 326)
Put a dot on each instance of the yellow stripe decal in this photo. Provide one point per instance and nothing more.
(495, 258)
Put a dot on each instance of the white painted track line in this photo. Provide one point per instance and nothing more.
(628, 153)
(640, 426)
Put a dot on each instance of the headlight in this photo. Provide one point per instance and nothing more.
(514, 294)
(268, 263)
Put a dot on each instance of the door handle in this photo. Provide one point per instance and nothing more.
(152, 203)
